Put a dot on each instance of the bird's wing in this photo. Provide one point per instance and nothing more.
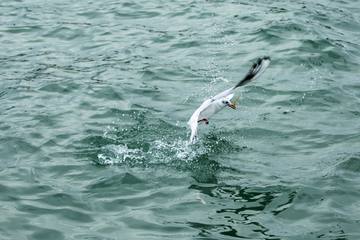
(222, 94)
(193, 122)
(256, 70)
(193, 125)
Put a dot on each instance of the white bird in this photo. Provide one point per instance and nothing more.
(217, 103)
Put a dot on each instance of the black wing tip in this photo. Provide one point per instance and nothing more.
(260, 60)
(258, 63)
(264, 58)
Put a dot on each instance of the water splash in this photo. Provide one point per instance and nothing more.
(159, 151)
(115, 154)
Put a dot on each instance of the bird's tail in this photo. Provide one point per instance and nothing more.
(256, 70)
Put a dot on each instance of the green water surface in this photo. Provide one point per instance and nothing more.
(95, 97)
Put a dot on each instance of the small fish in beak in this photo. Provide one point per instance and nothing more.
(233, 106)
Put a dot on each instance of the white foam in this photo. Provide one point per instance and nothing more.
(114, 154)
(158, 152)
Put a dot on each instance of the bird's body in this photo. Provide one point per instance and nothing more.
(217, 103)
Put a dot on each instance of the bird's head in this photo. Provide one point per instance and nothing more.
(228, 103)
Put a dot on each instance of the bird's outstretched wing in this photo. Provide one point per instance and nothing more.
(222, 94)
(193, 122)
(256, 70)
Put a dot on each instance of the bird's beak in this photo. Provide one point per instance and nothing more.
(234, 105)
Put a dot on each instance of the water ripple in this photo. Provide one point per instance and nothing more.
(95, 97)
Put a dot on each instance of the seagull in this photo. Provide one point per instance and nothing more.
(217, 103)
